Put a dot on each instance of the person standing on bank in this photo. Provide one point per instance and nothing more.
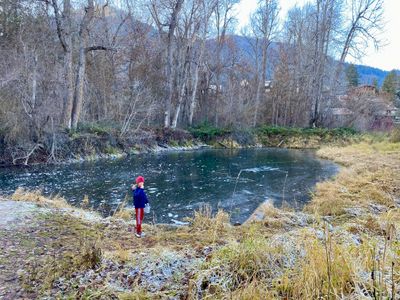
(139, 201)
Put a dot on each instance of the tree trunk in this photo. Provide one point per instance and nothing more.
(180, 100)
(261, 82)
(169, 73)
(68, 70)
(193, 98)
(34, 81)
(80, 75)
(69, 89)
(79, 84)
(196, 72)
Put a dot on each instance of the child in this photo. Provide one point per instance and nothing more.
(139, 201)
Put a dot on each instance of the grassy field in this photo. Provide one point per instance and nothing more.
(344, 245)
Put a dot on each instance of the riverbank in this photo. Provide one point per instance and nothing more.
(93, 142)
(344, 245)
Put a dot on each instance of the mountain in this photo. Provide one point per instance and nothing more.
(366, 73)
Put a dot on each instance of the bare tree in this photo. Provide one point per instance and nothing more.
(170, 15)
(63, 20)
(206, 10)
(224, 19)
(265, 27)
(364, 26)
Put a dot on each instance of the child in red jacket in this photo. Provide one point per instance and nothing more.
(139, 201)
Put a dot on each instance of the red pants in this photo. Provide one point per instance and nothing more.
(139, 219)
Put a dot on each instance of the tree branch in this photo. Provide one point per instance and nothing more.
(60, 31)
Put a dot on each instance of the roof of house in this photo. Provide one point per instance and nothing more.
(341, 111)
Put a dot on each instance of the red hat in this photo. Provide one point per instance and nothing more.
(139, 179)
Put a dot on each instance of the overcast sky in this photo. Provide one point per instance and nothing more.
(386, 58)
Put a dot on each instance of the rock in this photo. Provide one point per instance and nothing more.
(180, 223)
(355, 211)
(207, 250)
(377, 208)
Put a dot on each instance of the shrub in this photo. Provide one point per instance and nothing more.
(207, 132)
(111, 150)
(277, 130)
(99, 128)
(293, 131)
(173, 137)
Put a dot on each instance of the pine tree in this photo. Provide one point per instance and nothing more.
(390, 84)
(352, 75)
(375, 83)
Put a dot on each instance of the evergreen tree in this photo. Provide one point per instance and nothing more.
(352, 75)
(375, 83)
(390, 84)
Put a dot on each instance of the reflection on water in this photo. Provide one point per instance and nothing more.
(179, 182)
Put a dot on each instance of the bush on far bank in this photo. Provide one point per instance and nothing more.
(206, 131)
(296, 131)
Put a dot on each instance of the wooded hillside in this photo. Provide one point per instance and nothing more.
(173, 63)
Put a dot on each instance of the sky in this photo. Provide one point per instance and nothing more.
(387, 57)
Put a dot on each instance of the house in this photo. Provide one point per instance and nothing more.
(365, 88)
(267, 85)
(341, 111)
(214, 88)
(362, 108)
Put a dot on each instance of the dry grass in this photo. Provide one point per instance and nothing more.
(254, 290)
(64, 244)
(395, 135)
(326, 270)
(203, 220)
(37, 197)
(276, 220)
(355, 188)
(365, 152)
(371, 176)
(120, 253)
(204, 230)
(121, 211)
(136, 295)
(124, 214)
(85, 202)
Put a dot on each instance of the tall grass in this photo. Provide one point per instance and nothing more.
(37, 197)
(203, 220)
(325, 272)
(121, 212)
(236, 266)
(371, 176)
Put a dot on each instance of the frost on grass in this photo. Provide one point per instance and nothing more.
(344, 245)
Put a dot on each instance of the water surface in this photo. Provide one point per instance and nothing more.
(178, 183)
